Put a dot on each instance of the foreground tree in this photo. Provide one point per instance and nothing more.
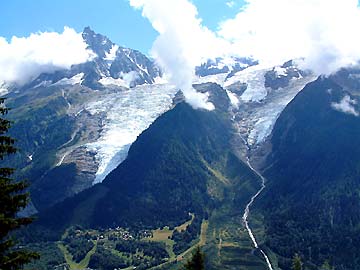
(12, 199)
(197, 262)
(297, 264)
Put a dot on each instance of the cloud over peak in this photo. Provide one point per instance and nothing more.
(183, 42)
(322, 32)
(23, 59)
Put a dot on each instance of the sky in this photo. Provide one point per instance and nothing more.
(113, 18)
(320, 35)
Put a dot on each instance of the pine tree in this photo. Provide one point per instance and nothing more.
(197, 262)
(326, 266)
(297, 264)
(12, 199)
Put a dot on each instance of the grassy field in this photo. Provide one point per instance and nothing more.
(178, 260)
(83, 263)
(164, 235)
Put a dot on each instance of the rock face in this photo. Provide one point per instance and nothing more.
(221, 65)
(111, 65)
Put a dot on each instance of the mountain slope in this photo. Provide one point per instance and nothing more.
(312, 202)
(165, 166)
(182, 163)
(67, 119)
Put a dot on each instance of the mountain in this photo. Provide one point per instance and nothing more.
(111, 65)
(68, 121)
(167, 165)
(183, 163)
(311, 204)
(65, 120)
(220, 65)
(114, 153)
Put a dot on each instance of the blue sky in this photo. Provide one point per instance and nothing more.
(114, 18)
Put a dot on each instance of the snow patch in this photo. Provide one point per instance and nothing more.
(111, 55)
(233, 99)
(111, 81)
(160, 80)
(43, 84)
(280, 72)
(77, 79)
(218, 78)
(125, 80)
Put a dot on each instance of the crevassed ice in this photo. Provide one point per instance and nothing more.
(128, 113)
(263, 117)
(254, 77)
(260, 117)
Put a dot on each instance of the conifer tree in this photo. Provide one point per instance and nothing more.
(326, 266)
(197, 262)
(297, 264)
(12, 199)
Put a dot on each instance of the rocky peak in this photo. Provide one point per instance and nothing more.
(99, 44)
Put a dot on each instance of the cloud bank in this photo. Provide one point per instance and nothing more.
(183, 42)
(322, 32)
(23, 59)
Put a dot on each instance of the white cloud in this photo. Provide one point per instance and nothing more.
(25, 58)
(230, 4)
(346, 105)
(183, 43)
(323, 32)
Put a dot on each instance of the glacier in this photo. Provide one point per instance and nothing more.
(128, 113)
(256, 110)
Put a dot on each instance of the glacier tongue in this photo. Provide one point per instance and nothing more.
(257, 107)
(257, 119)
(254, 77)
(128, 113)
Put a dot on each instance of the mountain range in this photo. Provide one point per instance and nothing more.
(110, 147)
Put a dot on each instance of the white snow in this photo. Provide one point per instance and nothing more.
(160, 80)
(3, 88)
(111, 81)
(233, 99)
(128, 113)
(254, 78)
(111, 55)
(125, 80)
(280, 72)
(3, 91)
(218, 78)
(263, 116)
(43, 84)
(77, 79)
